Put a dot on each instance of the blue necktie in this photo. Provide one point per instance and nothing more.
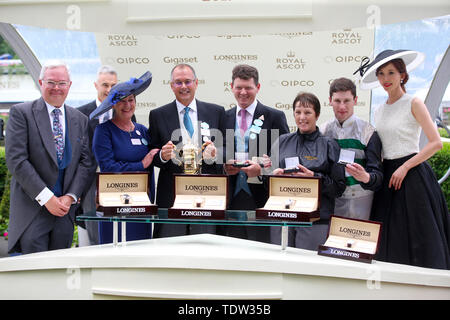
(58, 133)
(187, 122)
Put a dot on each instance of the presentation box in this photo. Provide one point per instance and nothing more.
(292, 199)
(124, 194)
(351, 239)
(199, 196)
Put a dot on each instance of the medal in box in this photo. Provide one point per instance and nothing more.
(292, 199)
(351, 239)
(124, 194)
(199, 196)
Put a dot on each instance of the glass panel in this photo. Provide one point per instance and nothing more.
(77, 49)
(232, 217)
(430, 36)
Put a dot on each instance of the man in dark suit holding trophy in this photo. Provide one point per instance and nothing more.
(184, 120)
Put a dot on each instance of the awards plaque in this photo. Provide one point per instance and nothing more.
(292, 199)
(199, 197)
(124, 194)
(351, 239)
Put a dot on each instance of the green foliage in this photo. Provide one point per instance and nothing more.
(440, 162)
(5, 48)
(443, 133)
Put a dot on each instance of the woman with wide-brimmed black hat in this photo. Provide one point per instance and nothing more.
(411, 204)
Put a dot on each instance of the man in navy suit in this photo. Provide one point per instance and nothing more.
(48, 156)
(256, 127)
(106, 79)
(176, 123)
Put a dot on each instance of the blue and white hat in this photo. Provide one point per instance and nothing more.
(368, 69)
(122, 90)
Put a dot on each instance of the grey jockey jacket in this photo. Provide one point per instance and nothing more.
(320, 154)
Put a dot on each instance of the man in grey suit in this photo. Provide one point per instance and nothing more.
(47, 153)
(106, 79)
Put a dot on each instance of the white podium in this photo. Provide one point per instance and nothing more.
(210, 267)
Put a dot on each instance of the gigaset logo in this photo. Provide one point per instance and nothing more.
(178, 60)
(283, 106)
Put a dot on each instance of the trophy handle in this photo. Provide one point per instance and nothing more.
(180, 154)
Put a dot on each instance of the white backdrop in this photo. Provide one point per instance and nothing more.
(287, 62)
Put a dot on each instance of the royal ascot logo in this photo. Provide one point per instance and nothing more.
(122, 40)
(235, 58)
(133, 60)
(347, 36)
(291, 35)
(182, 36)
(178, 60)
(290, 62)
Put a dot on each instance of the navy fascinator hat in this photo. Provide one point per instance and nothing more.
(121, 91)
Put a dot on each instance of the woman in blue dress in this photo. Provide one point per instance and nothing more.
(121, 145)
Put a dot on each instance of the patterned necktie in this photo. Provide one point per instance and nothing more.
(243, 125)
(58, 133)
(188, 122)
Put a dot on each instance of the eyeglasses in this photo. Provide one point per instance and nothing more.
(53, 84)
(187, 83)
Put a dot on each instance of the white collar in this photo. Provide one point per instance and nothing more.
(192, 105)
(50, 108)
(250, 109)
(347, 123)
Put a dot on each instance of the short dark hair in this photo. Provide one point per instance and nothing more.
(342, 84)
(183, 66)
(246, 72)
(307, 99)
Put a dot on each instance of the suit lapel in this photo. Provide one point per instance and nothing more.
(230, 124)
(259, 111)
(231, 119)
(72, 125)
(202, 116)
(41, 115)
(173, 123)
